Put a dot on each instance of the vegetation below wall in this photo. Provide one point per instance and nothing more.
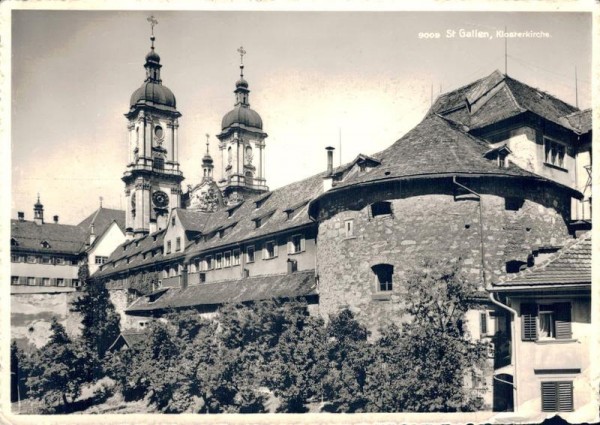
(252, 353)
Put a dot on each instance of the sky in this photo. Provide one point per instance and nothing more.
(316, 78)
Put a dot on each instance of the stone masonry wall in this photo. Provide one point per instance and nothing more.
(427, 222)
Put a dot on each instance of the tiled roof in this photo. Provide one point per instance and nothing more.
(102, 218)
(245, 214)
(434, 146)
(255, 288)
(62, 238)
(134, 250)
(194, 221)
(580, 121)
(130, 338)
(500, 97)
(570, 265)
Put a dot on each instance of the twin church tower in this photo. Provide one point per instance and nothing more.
(153, 178)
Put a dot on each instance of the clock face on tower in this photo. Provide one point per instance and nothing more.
(160, 199)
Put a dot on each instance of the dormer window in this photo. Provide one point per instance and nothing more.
(45, 244)
(260, 202)
(232, 210)
(293, 211)
(260, 221)
(13, 242)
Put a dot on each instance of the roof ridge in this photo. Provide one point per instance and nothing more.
(576, 109)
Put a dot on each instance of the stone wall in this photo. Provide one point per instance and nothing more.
(31, 315)
(428, 221)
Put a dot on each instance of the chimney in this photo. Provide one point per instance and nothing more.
(56, 219)
(292, 266)
(21, 216)
(329, 150)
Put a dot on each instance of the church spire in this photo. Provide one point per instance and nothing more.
(207, 163)
(152, 58)
(241, 87)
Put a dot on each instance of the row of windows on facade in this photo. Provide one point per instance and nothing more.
(39, 259)
(296, 244)
(44, 281)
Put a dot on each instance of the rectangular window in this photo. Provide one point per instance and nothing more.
(14, 280)
(45, 281)
(75, 283)
(349, 228)
(270, 250)
(60, 281)
(557, 396)
(178, 244)
(227, 259)
(209, 262)
(236, 257)
(545, 321)
(554, 153)
(250, 254)
(99, 259)
(218, 261)
(168, 247)
(296, 244)
(483, 323)
(382, 208)
(31, 259)
(31, 281)
(74, 262)
(59, 260)
(45, 260)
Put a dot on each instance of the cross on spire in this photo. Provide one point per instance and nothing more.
(153, 22)
(242, 52)
(207, 137)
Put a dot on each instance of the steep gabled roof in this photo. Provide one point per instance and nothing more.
(497, 97)
(63, 238)
(102, 218)
(571, 265)
(580, 121)
(293, 285)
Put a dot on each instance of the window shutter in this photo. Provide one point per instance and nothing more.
(38, 281)
(483, 323)
(565, 396)
(528, 322)
(563, 321)
(302, 244)
(275, 248)
(290, 245)
(549, 399)
(23, 280)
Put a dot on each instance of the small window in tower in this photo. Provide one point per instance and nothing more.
(248, 155)
(158, 132)
(384, 277)
(382, 208)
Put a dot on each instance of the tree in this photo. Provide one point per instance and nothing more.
(19, 370)
(349, 355)
(99, 318)
(58, 369)
(436, 351)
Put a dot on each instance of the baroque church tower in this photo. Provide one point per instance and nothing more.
(152, 177)
(242, 146)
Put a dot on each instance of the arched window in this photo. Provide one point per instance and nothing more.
(383, 276)
(248, 155)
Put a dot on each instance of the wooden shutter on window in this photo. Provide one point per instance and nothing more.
(528, 322)
(549, 397)
(565, 396)
(22, 280)
(563, 320)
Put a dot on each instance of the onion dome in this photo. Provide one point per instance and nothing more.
(242, 114)
(153, 92)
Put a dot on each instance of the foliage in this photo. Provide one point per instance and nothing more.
(349, 355)
(58, 369)
(99, 318)
(19, 370)
(435, 351)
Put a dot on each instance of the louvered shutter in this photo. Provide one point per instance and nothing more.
(563, 320)
(22, 280)
(528, 322)
(549, 397)
(53, 281)
(565, 396)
